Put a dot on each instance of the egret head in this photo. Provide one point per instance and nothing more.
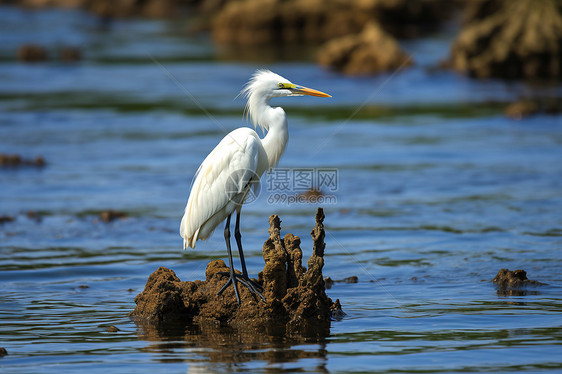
(266, 85)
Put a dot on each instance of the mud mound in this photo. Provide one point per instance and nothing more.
(514, 279)
(295, 297)
(511, 39)
(370, 52)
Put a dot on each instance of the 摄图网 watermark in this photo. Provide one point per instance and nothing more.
(292, 186)
(302, 185)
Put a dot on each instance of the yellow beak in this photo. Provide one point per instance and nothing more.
(299, 90)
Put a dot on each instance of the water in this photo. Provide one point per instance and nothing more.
(436, 192)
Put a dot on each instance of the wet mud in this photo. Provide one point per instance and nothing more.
(295, 297)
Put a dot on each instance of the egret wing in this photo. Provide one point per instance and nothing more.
(223, 176)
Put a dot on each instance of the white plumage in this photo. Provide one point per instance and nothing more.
(237, 163)
(222, 184)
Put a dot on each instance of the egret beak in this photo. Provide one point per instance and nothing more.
(300, 90)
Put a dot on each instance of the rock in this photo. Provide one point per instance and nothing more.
(254, 22)
(70, 54)
(17, 161)
(370, 52)
(36, 216)
(296, 300)
(352, 279)
(511, 39)
(111, 215)
(112, 329)
(119, 8)
(337, 312)
(32, 53)
(3, 351)
(5, 219)
(506, 279)
(408, 18)
(312, 194)
(527, 107)
(521, 109)
(329, 282)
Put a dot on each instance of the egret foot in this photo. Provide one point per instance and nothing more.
(252, 286)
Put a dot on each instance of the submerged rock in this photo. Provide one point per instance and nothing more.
(514, 279)
(370, 52)
(295, 297)
(528, 107)
(32, 53)
(5, 219)
(111, 215)
(521, 109)
(11, 161)
(510, 39)
(70, 54)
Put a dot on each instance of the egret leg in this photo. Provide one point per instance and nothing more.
(232, 274)
(251, 285)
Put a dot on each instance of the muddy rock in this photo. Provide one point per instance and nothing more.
(70, 54)
(352, 279)
(117, 8)
(6, 219)
(370, 52)
(12, 161)
(511, 39)
(521, 109)
(506, 279)
(3, 351)
(32, 53)
(408, 18)
(113, 329)
(254, 22)
(295, 297)
(111, 215)
(35, 216)
(524, 108)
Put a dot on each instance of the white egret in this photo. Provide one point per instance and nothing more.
(236, 165)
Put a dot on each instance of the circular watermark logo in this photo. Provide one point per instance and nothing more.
(243, 186)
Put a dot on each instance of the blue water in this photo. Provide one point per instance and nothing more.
(436, 191)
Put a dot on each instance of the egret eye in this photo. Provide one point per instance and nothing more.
(281, 85)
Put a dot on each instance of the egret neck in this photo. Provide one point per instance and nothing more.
(270, 119)
(277, 135)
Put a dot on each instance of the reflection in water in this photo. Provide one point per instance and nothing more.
(211, 348)
(516, 292)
